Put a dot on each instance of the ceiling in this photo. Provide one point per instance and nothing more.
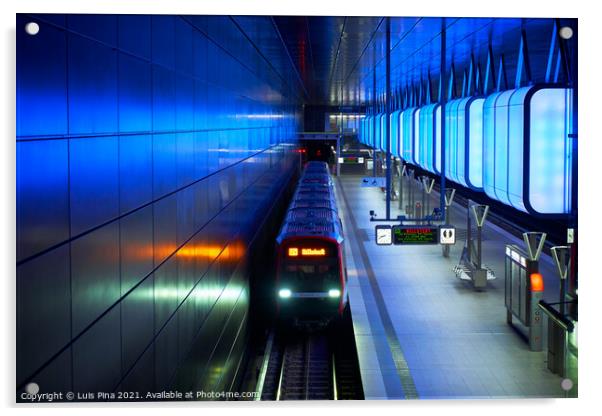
(337, 58)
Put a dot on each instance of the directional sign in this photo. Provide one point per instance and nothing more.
(405, 234)
(447, 235)
(374, 182)
(383, 235)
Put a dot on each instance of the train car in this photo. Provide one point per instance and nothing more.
(311, 278)
(318, 178)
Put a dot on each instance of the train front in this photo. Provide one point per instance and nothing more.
(310, 282)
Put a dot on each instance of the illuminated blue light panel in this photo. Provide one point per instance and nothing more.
(502, 158)
(368, 138)
(369, 130)
(395, 133)
(464, 136)
(474, 173)
(361, 133)
(536, 119)
(408, 119)
(550, 151)
(427, 138)
(400, 128)
(383, 131)
(489, 135)
(437, 141)
(416, 148)
(516, 140)
(452, 140)
(377, 132)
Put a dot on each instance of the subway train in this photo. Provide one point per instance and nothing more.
(515, 146)
(311, 278)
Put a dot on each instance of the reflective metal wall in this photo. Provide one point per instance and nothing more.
(149, 150)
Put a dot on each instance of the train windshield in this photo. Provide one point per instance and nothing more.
(310, 267)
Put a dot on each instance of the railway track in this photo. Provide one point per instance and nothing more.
(309, 366)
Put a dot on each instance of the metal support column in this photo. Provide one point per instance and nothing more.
(443, 72)
(449, 199)
(402, 173)
(374, 119)
(338, 157)
(388, 120)
(468, 231)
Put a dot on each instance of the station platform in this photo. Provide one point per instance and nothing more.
(422, 333)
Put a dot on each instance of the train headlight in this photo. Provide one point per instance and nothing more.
(334, 293)
(284, 293)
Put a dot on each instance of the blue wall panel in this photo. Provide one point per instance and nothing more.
(136, 247)
(164, 99)
(42, 181)
(164, 164)
(135, 95)
(163, 41)
(98, 352)
(135, 167)
(43, 286)
(99, 27)
(94, 184)
(93, 102)
(135, 35)
(95, 279)
(42, 100)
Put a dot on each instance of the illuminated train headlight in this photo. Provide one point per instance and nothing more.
(284, 293)
(334, 293)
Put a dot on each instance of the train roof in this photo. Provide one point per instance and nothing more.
(325, 180)
(299, 213)
(313, 203)
(313, 193)
(312, 227)
(316, 175)
(313, 210)
(316, 165)
(320, 186)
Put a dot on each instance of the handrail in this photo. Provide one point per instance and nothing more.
(558, 318)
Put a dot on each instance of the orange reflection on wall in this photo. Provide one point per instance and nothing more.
(231, 253)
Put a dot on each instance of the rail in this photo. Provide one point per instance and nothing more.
(308, 366)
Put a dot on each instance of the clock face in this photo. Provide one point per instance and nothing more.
(383, 236)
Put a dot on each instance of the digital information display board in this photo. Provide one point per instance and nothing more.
(403, 234)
